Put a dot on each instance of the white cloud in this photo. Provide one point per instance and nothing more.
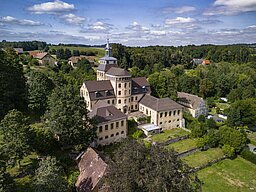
(179, 20)
(179, 10)
(98, 27)
(54, 7)
(231, 7)
(14, 21)
(135, 26)
(73, 19)
(158, 33)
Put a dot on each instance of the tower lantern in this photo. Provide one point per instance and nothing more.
(108, 49)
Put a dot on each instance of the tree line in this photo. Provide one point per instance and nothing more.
(41, 112)
(26, 45)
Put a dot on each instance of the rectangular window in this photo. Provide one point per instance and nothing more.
(165, 114)
(117, 124)
(119, 101)
(125, 92)
(174, 113)
(132, 99)
(122, 123)
(178, 112)
(161, 115)
(136, 106)
(112, 126)
(136, 98)
(170, 113)
(125, 101)
(100, 128)
(108, 101)
(119, 85)
(113, 101)
(124, 85)
(119, 92)
(106, 127)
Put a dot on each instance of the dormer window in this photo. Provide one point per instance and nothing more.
(107, 92)
(135, 89)
(144, 88)
(97, 94)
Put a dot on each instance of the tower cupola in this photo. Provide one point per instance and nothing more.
(108, 49)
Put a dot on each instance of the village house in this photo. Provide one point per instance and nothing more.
(195, 105)
(72, 61)
(18, 51)
(43, 58)
(122, 93)
(92, 168)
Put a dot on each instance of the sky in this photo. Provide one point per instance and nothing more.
(129, 22)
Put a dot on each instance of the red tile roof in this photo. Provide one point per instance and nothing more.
(92, 168)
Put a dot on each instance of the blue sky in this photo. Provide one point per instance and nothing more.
(130, 22)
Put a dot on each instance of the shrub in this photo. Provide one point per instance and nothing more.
(248, 155)
(228, 151)
(137, 134)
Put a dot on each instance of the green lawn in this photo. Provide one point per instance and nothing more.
(229, 176)
(183, 145)
(252, 137)
(203, 157)
(169, 134)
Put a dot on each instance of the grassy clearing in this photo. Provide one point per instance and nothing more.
(203, 157)
(252, 137)
(183, 145)
(23, 175)
(229, 176)
(223, 106)
(169, 134)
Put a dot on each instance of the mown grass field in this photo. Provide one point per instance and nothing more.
(183, 145)
(236, 175)
(169, 134)
(203, 157)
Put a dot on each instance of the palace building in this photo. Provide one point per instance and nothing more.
(115, 94)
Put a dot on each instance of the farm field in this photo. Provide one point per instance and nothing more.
(229, 176)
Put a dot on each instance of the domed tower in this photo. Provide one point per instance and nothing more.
(106, 62)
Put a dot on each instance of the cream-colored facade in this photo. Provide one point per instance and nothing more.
(166, 119)
(47, 59)
(112, 131)
(194, 105)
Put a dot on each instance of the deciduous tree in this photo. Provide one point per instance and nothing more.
(68, 118)
(137, 168)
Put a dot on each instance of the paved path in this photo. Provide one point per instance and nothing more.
(251, 147)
